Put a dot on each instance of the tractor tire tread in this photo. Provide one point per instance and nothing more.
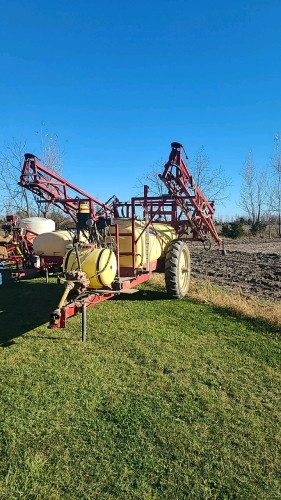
(172, 271)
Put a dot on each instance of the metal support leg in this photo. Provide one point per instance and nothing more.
(84, 322)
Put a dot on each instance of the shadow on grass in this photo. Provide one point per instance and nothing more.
(147, 295)
(27, 304)
(24, 305)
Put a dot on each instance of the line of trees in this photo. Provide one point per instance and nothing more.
(260, 195)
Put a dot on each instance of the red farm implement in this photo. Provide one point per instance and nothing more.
(16, 245)
(119, 245)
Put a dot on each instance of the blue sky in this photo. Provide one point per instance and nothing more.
(119, 80)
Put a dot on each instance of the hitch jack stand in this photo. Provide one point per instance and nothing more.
(84, 321)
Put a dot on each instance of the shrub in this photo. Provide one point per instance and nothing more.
(233, 229)
(257, 227)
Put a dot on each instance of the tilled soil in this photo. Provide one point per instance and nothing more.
(252, 267)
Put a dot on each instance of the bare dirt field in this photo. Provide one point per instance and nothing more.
(250, 266)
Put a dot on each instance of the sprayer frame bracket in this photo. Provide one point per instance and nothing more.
(93, 297)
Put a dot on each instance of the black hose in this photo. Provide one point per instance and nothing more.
(104, 268)
(77, 256)
(67, 259)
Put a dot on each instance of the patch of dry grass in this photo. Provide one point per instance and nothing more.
(235, 300)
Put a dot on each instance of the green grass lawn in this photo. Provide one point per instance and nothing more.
(165, 400)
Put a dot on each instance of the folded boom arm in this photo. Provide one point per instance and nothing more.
(187, 195)
(54, 190)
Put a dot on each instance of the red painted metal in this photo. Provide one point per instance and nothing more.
(187, 195)
(75, 307)
(51, 263)
(19, 250)
(54, 190)
(91, 298)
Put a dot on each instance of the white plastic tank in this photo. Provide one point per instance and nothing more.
(38, 225)
(54, 243)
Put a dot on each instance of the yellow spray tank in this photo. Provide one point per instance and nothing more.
(99, 264)
(160, 236)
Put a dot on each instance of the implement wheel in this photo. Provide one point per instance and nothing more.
(177, 269)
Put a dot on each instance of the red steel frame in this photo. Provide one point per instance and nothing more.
(55, 190)
(197, 209)
(20, 253)
(19, 248)
(183, 195)
(91, 298)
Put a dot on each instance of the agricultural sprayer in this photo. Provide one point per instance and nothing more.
(16, 246)
(119, 245)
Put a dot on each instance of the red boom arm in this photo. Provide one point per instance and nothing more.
(55, 190)
(187, 195)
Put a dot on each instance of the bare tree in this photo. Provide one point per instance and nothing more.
(253, 194)
(275, 187)
(13, 198)
(51, 154)
(151, 178)
(212, 182)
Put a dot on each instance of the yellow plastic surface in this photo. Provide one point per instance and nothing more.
(83, 208)
(99, 264)
(160, 236)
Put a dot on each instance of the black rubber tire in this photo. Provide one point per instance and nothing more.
(177, 269)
